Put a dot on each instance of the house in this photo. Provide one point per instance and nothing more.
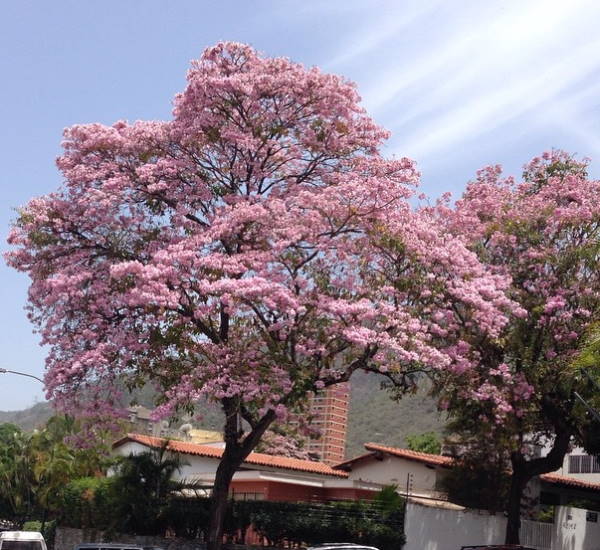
(269, 477)
(261, 476)
(420, 475)
(579, 465)
(414, 473)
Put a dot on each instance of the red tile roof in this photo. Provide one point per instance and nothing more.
(258, 459)
(347, 463)
(426, 458)
(569, 482)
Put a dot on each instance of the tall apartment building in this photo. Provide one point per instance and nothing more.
(329, 412)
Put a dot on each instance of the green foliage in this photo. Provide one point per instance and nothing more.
(364, 522)
(7, 432)
(478, 484)
(586, 378)
(428, 442)
(389, 499)
(481, 476)
(100, 503)
(36, 467)
(90, 502)
(17, 483)
(145, 488)
(545, 514)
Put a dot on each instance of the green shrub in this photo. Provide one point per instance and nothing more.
(99, 503)
(363, 522)
(89, 502)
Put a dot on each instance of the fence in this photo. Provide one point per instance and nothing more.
(536, 534)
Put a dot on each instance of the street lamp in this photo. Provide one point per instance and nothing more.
(4, 371)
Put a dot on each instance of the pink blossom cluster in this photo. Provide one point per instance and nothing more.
(541, 235)
(253, 249)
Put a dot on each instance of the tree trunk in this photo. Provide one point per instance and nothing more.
(219, 499)
(513, 523)
(524, 470)
(237, 448)
(44, 518)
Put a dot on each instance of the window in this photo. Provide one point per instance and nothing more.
(21, 545)
(584, 464)
(248, 496)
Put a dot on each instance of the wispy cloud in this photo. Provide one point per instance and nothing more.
(387, 25)
(453, 72)
(484, 112)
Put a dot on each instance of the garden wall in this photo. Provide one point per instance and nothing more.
(445, 526)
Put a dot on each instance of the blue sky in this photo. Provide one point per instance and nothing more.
(460, 84)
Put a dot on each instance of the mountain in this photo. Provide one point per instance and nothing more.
(373, 415)
(30, 418)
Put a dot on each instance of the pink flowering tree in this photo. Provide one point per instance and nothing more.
(543, 233)
(252, 250)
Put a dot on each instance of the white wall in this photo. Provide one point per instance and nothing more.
(564, 470)
(192, 464)
(392, 470)
(573, 532)
(130, 448)
(429, 528)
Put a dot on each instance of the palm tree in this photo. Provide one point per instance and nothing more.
(145, 485)
(17, 485)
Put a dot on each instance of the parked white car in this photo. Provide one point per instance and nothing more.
(341, 546)
(22, 540)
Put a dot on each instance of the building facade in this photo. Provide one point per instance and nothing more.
(581, 466)
(261, 476)
(329, 414)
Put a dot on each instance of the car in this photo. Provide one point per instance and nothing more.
(114, 546)
(341, 546)
(22, 540)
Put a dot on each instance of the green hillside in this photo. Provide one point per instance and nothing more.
(30, 418)
(373, 415)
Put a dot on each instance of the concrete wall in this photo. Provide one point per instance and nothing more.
(431, 528)
(572, 531)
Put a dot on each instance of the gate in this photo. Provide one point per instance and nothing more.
(536, 534)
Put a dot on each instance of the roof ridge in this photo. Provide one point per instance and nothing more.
(263, 459)
(440, 460)
(559, 478)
